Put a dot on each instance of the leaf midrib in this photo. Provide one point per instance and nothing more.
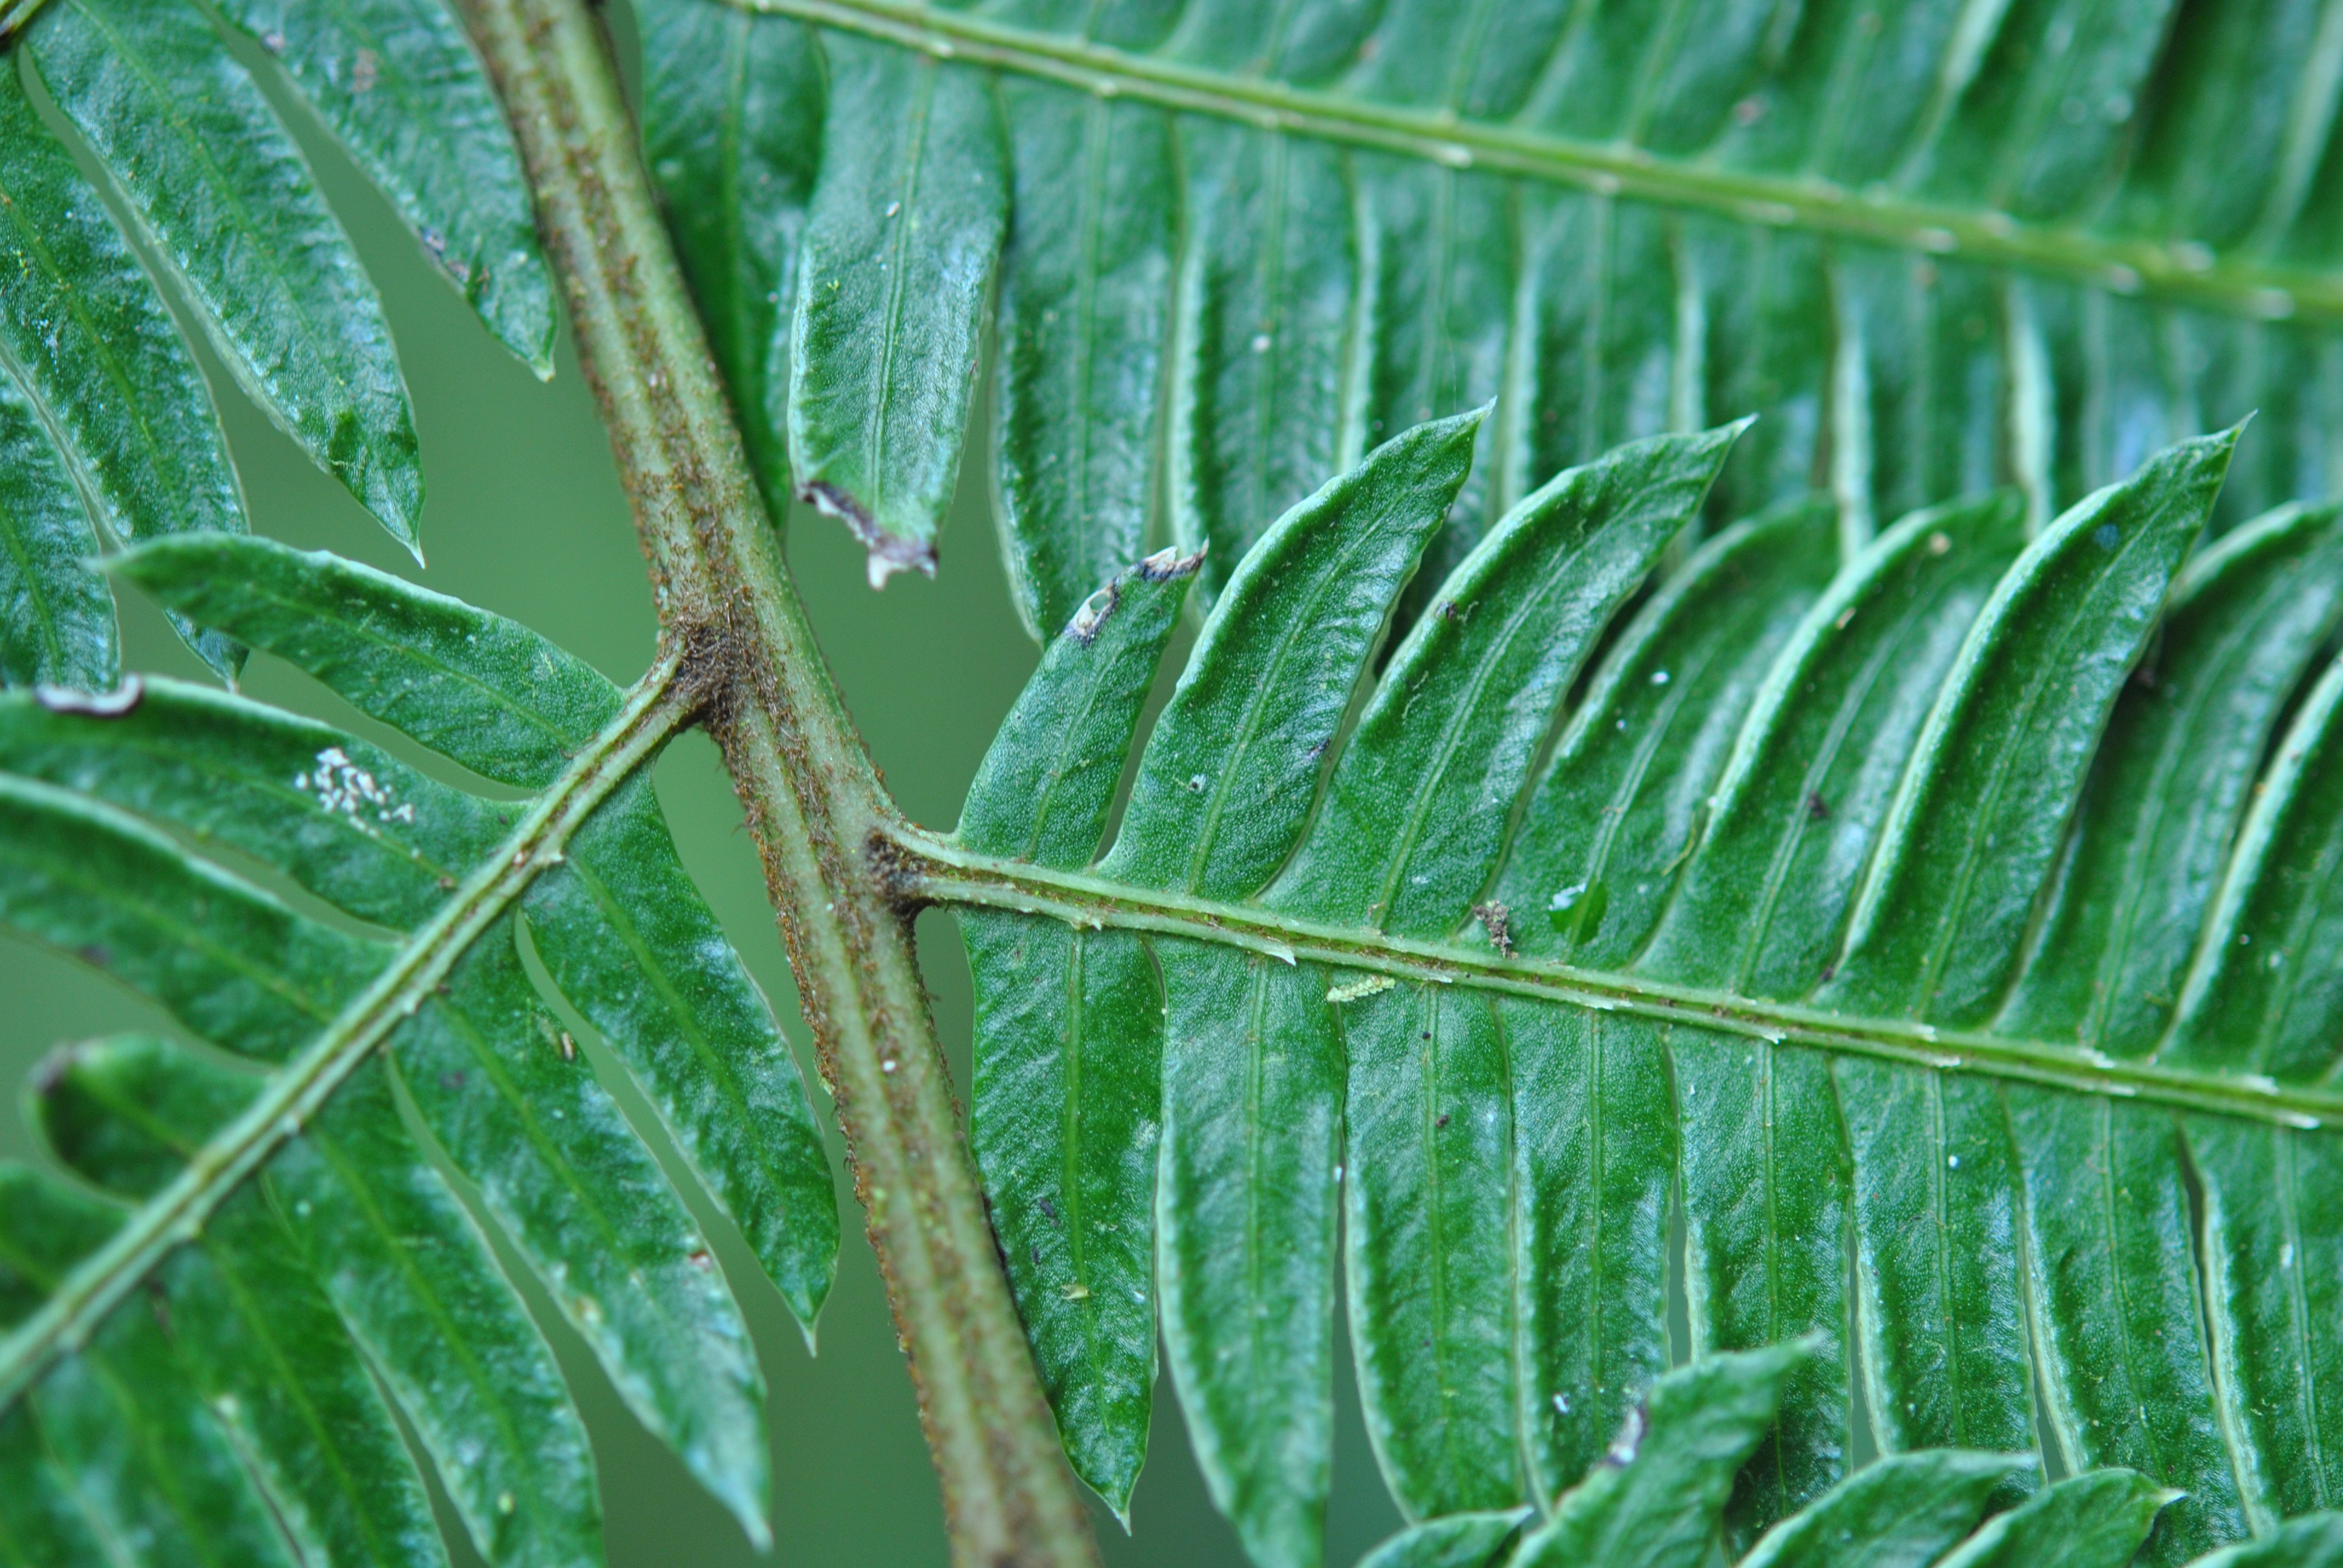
(2124, 265)
(933, 869)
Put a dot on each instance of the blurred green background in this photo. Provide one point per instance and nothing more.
(525, 516)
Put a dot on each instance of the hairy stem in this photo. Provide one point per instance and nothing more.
(812, 799)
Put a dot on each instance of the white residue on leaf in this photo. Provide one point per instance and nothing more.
(346, 789)
(1093, 613)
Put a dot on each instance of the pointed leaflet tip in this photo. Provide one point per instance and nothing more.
(1656, 1499)
(1168, 563)
(1278, 657)
(1915, 1505)
(1976, 820)
(888, 552)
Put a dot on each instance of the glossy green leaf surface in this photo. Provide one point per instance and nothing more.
(57, 614)
(1047, 784)
(227, 201)
(1975, 824)
(2313, 1543)
(251, 1322)
(1654, 1499)
(1232, 767)
(1606, 905)
(900, 239)
(2256, 1000)
(412, 1279)
(1458, 1540)
(232, 963)
(2115, 1298)
(1068, 1034)
(738, 180)
(396, 82)
(631, 945)
(415, 1281)
(1247, 1201)
(1935, 932)
(345, 1252)
(1086, 286)
(2182, 750)
(1900, 1513)
(1701, 878)
(475, 687)
(345, 819)
(1415, 812)
(1266, 296)
(231, 225)
(2095, 1520)
(1252, 1061)
(1940, 247)
(588, 1205)
(94, 366)
(1761, 908)
(123, 1426)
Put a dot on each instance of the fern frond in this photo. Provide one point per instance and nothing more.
(1949, 924)
(189, 1356)
(1941, 247)
(110, 429)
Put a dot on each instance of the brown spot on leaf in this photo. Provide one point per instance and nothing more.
(1496, 920)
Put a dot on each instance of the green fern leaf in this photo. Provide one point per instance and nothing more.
(227, 200)
(1655, 1500)
(321, 1232)
(112, 435)
(1943, 247)
(396, 82)
(1784, 929)
(1897, 934)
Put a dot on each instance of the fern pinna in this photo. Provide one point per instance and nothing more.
(1947, 925)
(1232, 246)
(273, 1236)
(1543, 905)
